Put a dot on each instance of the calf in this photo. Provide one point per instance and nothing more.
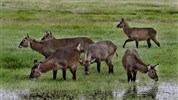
(97, 52)
(132, 63)
(62, 58)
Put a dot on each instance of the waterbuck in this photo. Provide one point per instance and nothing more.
(138, 34)
(97, 52)
(84, 41)
(131, 63)
(62, 58)
(46, 48)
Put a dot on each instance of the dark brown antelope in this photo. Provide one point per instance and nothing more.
(132, 63)
(62, 58)
(138, 34)
(48, 36)
(46, 48)
(97, 52)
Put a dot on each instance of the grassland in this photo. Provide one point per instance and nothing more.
(95, 19)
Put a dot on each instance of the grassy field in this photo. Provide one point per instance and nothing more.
(95, 19)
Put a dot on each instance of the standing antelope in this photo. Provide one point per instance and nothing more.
(97, 52)
(62, 58)
(138, 34)
(46, 48)
(132, 63)
(84, 41)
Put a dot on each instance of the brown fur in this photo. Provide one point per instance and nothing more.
(62, 58)
(97, 52)
(138, 34)
(48, 36)
(84, 41)
(46, 48)
(132, 63)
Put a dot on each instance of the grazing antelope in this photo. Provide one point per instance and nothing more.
(97, 52)
(132, 63)
(46, 48)
(62, 58)
(138, 34)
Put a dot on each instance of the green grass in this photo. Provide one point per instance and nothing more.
(94, 19)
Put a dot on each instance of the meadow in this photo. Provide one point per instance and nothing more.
(97, 20)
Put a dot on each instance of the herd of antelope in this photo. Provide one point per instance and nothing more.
(65, 53)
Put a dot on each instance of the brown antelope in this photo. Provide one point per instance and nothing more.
(46, 48)
(48, 36)
(62, 58)
(97, 52)
(138, 34)
(132, 63)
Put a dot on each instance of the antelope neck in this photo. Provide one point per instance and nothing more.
(46, 66)
(127, 30)
(35, 45)
(141, 67)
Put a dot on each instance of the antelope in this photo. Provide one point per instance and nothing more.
(132, 63)
(62, 58)
(46, 48)
(138, 34)
(97, 52)
(84, 41)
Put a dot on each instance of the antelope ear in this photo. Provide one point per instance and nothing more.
(27, 35)
(50, 32)
(40, 64)
(35, 61)
(81, 61)
(156, 66)
(148, 67)
(79, 47)
(93, 60)
(46, 31)
(122, 19)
